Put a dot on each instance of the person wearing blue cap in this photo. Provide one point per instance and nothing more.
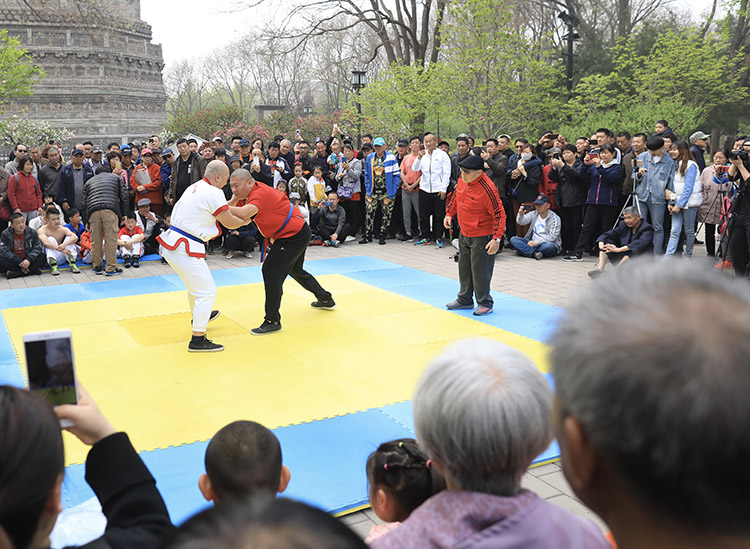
(382, 181)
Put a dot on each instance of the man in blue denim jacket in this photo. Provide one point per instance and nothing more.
(655, 175)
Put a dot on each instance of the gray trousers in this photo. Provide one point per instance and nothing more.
(475, 267)
(409, 202)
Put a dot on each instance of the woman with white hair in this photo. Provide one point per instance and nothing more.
(482, 412)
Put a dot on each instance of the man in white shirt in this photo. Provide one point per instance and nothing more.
(435, 166)
(194, 222)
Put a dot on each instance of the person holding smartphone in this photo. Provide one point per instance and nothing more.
(33, 461)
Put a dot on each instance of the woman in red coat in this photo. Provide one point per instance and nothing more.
(24, 192)
(146, 180)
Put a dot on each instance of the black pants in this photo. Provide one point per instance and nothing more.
(430, 204)
(234, 243)
(596, 220)
(475, 268)
(739, 240)
(325, 233)
(286, 257)
(397, 216)
(510, 219)
(571, 219)
(710, 239)
(352, 209)
(35, 267)
(150, 245)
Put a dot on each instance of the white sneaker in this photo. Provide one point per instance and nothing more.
(230, 255)
(350, 238)
(454, 242)
(247, 255)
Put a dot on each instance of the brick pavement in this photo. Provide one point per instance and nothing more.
(549, 281)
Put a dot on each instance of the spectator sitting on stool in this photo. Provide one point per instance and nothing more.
(543, 237)
(332, 226)
(631, 237)
(21, 251)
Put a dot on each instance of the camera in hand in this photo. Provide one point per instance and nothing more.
(739, 153)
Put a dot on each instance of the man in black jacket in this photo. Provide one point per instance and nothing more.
(631, 237)
(21, 251)
(188, 168)
(103, 199)
(49, 174)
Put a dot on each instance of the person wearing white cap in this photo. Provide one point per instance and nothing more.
(698, 144)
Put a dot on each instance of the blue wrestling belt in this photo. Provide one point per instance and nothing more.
(188, 235)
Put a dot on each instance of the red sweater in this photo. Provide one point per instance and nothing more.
(480, 212)
(24, 192)
(154, 190)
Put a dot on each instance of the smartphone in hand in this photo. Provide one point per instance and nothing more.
(50, 368)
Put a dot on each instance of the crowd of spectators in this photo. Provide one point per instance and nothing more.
(652, 437)
(404, 193)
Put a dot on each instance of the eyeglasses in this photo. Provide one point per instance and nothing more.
(21, 150)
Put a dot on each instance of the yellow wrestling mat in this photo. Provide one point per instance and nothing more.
(131, 355)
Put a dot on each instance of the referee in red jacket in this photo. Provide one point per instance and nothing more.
(482, 220)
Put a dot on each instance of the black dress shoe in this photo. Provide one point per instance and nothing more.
(203, 345)
(266, 328)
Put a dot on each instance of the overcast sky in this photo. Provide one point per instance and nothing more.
(193, 28)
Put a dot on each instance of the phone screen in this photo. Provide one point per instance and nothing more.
(49, 363)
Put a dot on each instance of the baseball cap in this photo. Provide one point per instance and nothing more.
(699, 135)
(379, 142)
(96, 149)
(166, 152)
(76, 152)
(402, 143)
(244, 142)
(145, 151)
(541, 200)
(219, 139)
(472, 162)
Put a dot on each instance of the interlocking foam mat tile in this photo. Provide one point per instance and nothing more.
(332, 384)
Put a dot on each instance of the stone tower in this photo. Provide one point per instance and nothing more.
(104, 78)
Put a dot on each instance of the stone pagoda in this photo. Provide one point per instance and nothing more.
(103, 75)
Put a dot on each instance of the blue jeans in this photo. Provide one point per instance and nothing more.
(656, 217)
(684, 218)
(521, 245)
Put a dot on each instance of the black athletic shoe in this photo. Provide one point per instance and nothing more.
(266, 328)
(135, 261)
(117, 271)
(98, 270)
(214, 315)
(381, 241)
(329, 305)
(126, 261)
(365, 239)
(203, 345)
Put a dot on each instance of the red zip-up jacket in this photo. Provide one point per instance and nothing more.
(480, 212)
(24, 192)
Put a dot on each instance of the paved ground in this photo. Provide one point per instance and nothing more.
(548, 281)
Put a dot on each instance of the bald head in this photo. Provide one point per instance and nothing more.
(216, 173)
(241, 182)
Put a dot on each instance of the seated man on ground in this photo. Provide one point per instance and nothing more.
(243, 459)
(242, 239)
(151, 224)
(331, 221)
(59, 242)
(482, 413)
(130, 242)
(543, 237)
(652, 378)
(631, 237)
(21, 251)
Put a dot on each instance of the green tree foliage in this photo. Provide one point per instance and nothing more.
(18, 129)
(491, 76)
(17, 72)
(207, 122)
(401, 97)
(683, 78)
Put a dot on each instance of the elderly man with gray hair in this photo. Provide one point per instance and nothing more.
(652, 378)
(630, 237)
(482, 412)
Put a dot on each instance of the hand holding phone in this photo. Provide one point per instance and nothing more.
(89, 424)
(50, 367)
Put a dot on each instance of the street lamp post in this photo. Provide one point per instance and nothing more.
(359, 81)
(572, 21)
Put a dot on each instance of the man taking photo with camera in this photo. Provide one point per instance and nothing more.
(739, 235)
